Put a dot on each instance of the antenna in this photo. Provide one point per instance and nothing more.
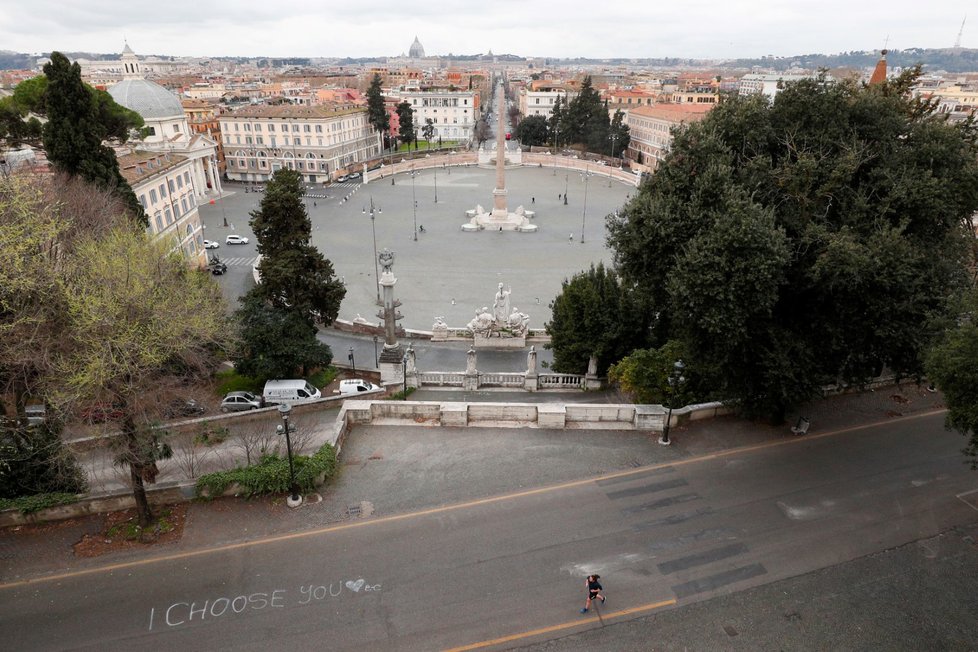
(957, 43)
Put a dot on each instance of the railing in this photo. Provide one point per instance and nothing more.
(558, 381)
(443, 378)
(502, 380)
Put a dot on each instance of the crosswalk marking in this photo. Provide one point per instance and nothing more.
(238, 260)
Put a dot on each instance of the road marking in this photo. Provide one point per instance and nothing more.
(556, 628)
(459, 506)
(961, 496)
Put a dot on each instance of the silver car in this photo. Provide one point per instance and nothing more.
(241, 402)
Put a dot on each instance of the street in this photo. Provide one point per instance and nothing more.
(471, 567)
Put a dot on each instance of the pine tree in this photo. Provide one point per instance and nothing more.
(405, 117)
(376, 111)
(73, 134)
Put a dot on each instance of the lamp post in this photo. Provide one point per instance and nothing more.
(353, 362)
(675, 380)
(414, 199)
(373, 229)
(404, 375)
(294, 499)
(587, 176)
(436, 183)
(566, 179)
(376, 362)
(614, 140)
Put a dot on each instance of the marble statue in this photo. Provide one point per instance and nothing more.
(531, 360)
(412, 363)
(500, 306)
(470, 361)
(483, 322)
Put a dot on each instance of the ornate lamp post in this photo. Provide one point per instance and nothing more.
(566, 180)
(675, 380)
(614, 140)
(294, 499)
(436, 183)
(376, 363)
(353, 362)
(373, 230)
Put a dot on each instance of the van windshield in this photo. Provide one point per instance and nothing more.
(310, 389)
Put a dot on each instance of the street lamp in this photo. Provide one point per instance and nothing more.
(376, 361)
(414, 198)
(373, 230)
(352, 361)
(675, 380)
(404, 375)
(587, 176)
(294, 499)
(566, 179)
(436, 183)
(614, 140)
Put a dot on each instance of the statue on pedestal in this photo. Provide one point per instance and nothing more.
(531, 360)
(500, 306)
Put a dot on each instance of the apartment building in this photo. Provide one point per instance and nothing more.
(541, 102)
(164, 184)
(768, 85)
(202, 118)
(320, 141)
(651, 128)
(453, 113)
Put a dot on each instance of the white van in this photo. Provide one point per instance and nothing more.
(356, 386)
(289, 391)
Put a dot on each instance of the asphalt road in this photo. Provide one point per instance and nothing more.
(685, 530)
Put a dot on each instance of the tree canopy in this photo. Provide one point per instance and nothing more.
(405, 121)
(804, 242)
(75, 130)
(532, 131)
(294, 274)
(376, 110)
(593, 315)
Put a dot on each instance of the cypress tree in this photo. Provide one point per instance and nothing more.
(73, 135)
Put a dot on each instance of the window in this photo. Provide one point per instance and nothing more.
(260, 140)
(162, 190)
(172, 185)
(152, 196)
(176, 129)
(142, 200)
(319, 129)
(183, 205)
(258, 126)
(159, 222)
(186, 177)
(151, 131)
(169, 217)
(248, 140)
(296, 141)
(179, 182)
(306, 128)
(271, 127)
(295, 127)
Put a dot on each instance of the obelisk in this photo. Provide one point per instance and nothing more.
(499, 210)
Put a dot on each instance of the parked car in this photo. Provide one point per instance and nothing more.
(241, 402)
(210, 244)
(509, 136)
(236, 239)
(355, 175)
(355, 386)
(183, 408)
(341, 178)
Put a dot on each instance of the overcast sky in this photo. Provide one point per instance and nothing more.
(570, 28)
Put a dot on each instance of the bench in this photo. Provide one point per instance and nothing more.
(801, 427)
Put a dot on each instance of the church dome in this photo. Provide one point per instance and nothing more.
(416, 51)
(146, 98)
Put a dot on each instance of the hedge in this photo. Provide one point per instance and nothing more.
(271, 475)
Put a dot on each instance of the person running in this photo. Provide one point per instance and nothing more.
(594, 589)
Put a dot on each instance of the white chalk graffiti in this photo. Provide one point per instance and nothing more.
(181, 613)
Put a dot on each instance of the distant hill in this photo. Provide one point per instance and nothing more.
(949, 59)
(15, 60)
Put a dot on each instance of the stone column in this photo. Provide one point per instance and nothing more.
(471, 381)
(499, 194)
(591, 380)
(392, 357)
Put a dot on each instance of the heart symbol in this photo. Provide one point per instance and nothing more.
(355, 586)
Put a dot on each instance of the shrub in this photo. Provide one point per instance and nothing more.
(271, 475)
(31, 504)
(323, 377)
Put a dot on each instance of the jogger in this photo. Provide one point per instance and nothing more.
(594, 589)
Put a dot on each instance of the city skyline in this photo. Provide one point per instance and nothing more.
(701, 29)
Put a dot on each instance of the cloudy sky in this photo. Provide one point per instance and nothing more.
(570, 28)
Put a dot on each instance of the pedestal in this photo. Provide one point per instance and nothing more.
(470, 382)
(482, 342)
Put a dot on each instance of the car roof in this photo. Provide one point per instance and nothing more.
(230, 394)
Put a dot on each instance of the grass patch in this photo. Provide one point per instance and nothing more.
(231, 381)
(401, 395)
(132, 531)
(323, 377)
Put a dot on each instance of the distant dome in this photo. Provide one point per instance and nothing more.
(416, 51)
(147, 98)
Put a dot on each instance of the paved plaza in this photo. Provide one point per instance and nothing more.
(445, 272)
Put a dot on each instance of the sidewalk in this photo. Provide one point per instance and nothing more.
(372, 453)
